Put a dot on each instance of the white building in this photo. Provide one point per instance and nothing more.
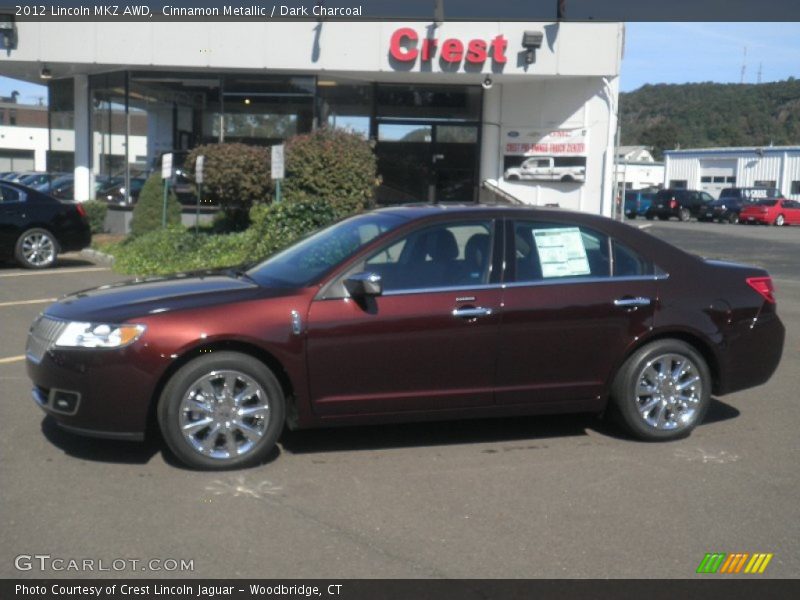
(712, 169)
(637, 169)
(449, 105)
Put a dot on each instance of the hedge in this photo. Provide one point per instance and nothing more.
(148, 211)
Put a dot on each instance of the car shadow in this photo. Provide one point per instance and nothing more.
(719, 411)
(100, 450)
(63, 262)
(438, 433)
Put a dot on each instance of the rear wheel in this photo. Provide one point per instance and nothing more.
(733, 218)
(684, 214)
(779, 221)
(224, 410)
(663, 390)
(567, 179)
(36, 249)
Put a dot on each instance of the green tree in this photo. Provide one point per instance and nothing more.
(148, 211)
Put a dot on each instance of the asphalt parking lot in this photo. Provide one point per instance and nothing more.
(516, 498)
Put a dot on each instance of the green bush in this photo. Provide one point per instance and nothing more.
(275, 226)
(235, 176)
(96, 215)
(147, 214)
(176, 249)
(334, 165)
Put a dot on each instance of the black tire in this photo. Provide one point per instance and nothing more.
(625, 403)
(684, 214)
(170, 414)
(733, 218)
(36, 249)
(512, 178)
(567, 179)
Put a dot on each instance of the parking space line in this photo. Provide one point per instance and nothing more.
(12, 359)
(56, 271)
(21, 302)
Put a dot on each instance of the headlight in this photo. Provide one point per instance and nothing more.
(99, 335)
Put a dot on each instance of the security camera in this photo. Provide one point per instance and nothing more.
(487, 83)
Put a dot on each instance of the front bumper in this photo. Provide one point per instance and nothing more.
(102, 393)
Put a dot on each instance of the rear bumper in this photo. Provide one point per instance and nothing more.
(754, 350)
(754, 218)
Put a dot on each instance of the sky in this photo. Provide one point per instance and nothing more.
(663, 53)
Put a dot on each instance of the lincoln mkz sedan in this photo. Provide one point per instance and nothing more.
(410, 313)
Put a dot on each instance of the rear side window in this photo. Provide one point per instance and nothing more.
(628, 262)
(553, 251)
(10, 194)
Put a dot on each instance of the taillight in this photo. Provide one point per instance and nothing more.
(80, 209)
(673, 203)
(763, 285)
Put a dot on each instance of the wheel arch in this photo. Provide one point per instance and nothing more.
(703, 346)
(249, 349)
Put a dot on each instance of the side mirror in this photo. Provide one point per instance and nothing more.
(360, 285)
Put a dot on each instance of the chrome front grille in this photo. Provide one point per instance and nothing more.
(43, 334)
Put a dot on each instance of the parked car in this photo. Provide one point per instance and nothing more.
(726, 209)
(637, 202)
(114, 191)
(63, 187)
(35, 227)
(776, 211)
(36, 179)
(683, 204)
(547, 168)
(410, 313)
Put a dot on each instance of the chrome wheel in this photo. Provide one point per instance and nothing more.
(224, 414)
(38, 249)
(668, 392)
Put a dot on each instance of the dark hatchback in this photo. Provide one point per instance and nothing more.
(682, 204)
(410, 313)
(732, 200)
(35, 227)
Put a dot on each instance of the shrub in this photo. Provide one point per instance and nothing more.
(334, 165)
(275, 226)
(176, 249)
(234, 175)
(96, 215)
(147, 214)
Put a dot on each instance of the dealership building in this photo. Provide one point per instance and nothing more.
(451, 107)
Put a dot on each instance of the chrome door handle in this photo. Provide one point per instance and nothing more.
(632, 302)
(472, 312)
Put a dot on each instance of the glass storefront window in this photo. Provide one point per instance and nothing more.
(429, 102)
(61, 155)
(345, 105)
(263, 111)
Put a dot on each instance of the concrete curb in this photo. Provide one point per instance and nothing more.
(98, 257)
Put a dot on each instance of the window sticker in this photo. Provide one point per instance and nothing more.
(561, 252)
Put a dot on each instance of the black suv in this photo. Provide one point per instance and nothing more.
(683, 204)
(733, 200)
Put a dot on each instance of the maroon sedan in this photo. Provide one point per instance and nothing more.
(410, 313)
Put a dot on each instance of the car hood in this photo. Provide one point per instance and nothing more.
(128, 300)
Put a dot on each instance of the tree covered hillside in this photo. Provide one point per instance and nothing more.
(698, 115)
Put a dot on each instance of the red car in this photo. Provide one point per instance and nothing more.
(410, 313)
(775, 211)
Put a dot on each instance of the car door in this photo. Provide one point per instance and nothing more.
(792, 211)
(12, 217)
(428, 342)
(574, 302)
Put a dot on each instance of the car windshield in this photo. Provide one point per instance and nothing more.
(300, 264)
(767, 202)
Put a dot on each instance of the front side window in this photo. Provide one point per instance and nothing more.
(440, 256)
(305, 261)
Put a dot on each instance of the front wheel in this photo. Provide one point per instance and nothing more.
(36, 249)
(779, 221)
(663, 390)
(224, 410)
